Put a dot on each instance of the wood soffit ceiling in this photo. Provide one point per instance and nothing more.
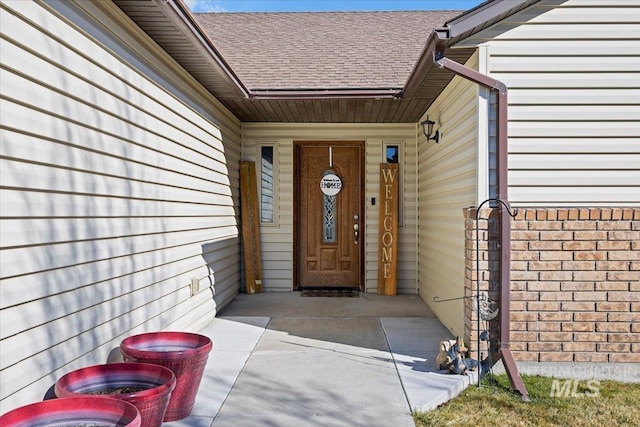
(324, 67)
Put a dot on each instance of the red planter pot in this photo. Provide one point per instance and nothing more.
(184, 353)
(85, 410)
(113, 379)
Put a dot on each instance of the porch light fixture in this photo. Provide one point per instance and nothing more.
(427, 128)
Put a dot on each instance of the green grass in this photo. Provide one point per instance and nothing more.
(603, 403)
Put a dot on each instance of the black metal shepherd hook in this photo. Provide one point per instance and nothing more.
(512, 213)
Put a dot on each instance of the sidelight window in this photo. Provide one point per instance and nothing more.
(267, 174)
(393, 154)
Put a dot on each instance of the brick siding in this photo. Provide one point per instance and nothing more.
(575, 282)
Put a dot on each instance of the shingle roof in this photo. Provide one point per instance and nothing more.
(322, 50)
(370, 67)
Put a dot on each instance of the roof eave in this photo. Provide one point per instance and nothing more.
(193, 31)
(456, 29)
(483, 16)
(424, 63)
(174, 14)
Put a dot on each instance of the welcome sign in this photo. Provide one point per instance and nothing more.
(388, 230)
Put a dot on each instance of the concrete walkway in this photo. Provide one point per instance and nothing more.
(280, 359)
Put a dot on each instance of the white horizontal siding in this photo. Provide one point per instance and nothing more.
(557, 80)
(578, 178)
(119, 183)
(564, 113)
(582, 146)
(277, 240)
(557, 49)
(448, 180)
(573, 73)
(577, 196)
(573, 97)
(512, 29)
(565, 64)
(576, 128)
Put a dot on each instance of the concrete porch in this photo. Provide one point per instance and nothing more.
(280, 359)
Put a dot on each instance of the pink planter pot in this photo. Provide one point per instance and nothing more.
(122, 381)
(74, 411)
(184, 353)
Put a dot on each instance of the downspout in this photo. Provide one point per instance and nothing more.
(505, 219)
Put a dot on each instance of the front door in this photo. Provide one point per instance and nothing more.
(329, 223)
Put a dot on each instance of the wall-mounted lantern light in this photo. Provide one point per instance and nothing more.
(427, 128)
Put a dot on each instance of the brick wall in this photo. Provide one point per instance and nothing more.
(575, 282)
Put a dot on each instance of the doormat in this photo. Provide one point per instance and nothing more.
(329, 293)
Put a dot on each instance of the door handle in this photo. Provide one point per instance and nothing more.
(356, 228)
